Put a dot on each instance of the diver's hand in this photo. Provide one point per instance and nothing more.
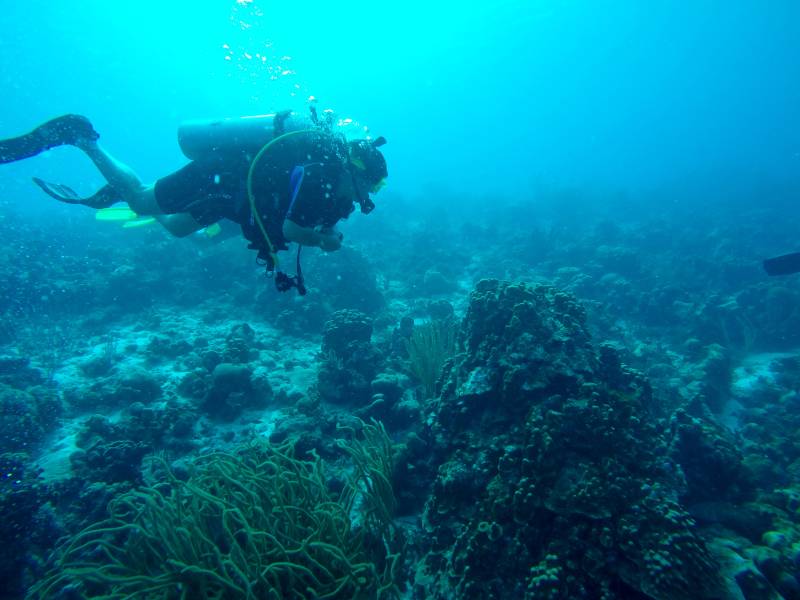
(330, 239)
(327, 238)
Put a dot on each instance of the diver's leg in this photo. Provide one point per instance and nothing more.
(141, 198)
(179, 224)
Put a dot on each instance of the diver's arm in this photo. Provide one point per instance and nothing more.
(329, 239)
(309, 199)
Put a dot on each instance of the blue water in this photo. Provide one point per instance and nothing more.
(643, 157)
(475, 98)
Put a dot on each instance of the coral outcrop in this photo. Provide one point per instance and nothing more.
(554, 479)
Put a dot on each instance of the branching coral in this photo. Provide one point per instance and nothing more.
(370, 485)
(258, 523)
(430, 345)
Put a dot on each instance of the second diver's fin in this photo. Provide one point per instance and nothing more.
(783, 265)
(124, 215)
(103, 198)
(139, 222)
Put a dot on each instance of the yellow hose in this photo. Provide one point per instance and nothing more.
(270, 248)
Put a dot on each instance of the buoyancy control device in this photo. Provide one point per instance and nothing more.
(254, 136)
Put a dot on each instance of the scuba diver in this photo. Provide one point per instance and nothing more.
(281, 178)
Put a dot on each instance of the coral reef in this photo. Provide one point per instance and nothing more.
(21, 496)
(24, 418)
(351, 361)
(554, 478)
(660, 461)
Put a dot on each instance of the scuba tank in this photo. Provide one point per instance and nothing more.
(199, 138)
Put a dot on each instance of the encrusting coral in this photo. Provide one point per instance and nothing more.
(553, 478)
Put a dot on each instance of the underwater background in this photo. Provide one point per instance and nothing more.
(548, 365)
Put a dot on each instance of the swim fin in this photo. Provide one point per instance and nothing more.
(783, 265)
(122, 214)
(103, 198)
(66, 129)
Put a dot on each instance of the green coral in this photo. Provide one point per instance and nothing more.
(370, 485)
(429, 346)
(257, 523)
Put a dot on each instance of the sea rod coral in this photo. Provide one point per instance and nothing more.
(256, 523)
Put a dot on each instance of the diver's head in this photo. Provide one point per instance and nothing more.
(368, 169)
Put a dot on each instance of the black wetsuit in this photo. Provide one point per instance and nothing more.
(296, 178)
